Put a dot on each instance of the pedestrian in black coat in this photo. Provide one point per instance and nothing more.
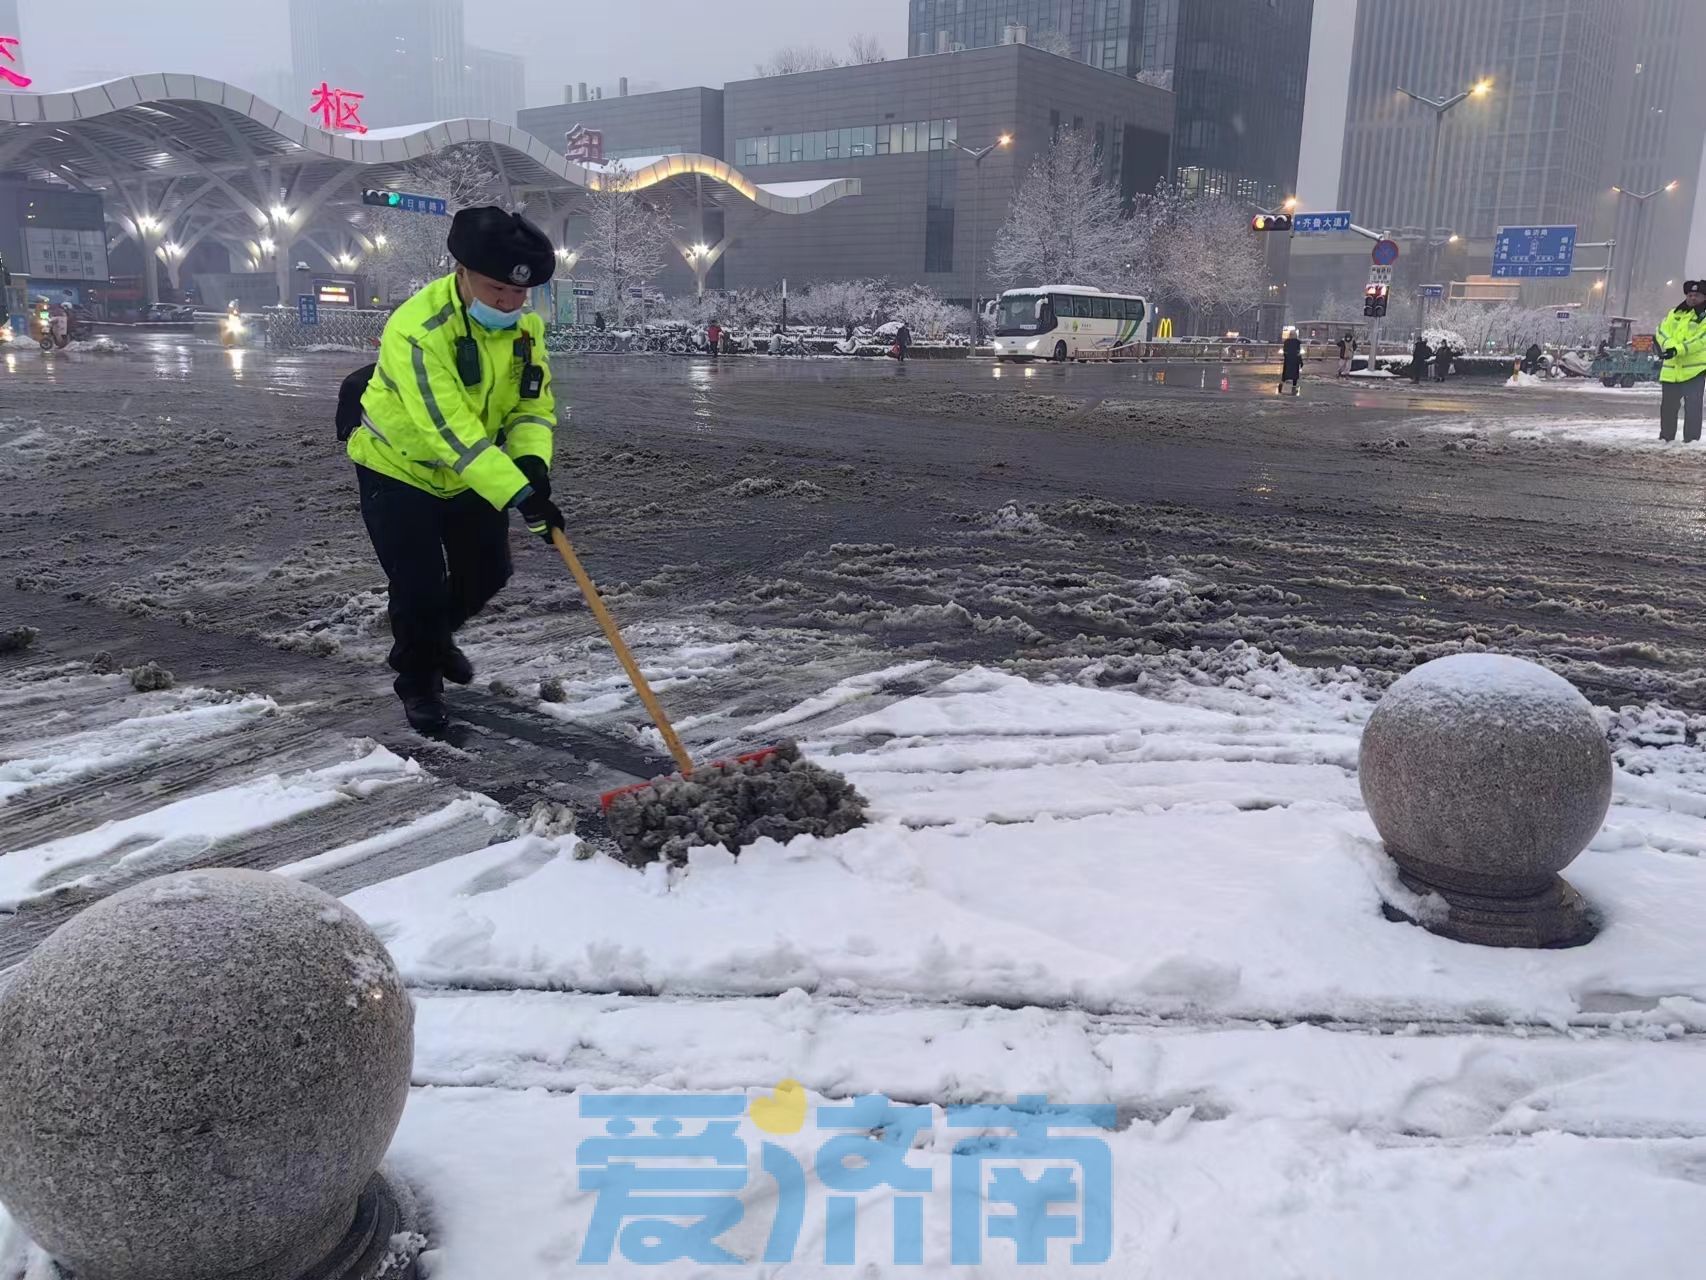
(1291, 363)
(1419, 357)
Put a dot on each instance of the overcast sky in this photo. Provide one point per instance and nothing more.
(670, 42)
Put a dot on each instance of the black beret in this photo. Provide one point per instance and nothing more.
(502, 245)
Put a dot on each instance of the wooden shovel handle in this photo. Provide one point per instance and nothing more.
(608, 624)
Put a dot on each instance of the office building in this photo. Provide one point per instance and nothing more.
(1237, 66)
(406, 57)
(57, 236)
(1662, 144)
(927, 211)
(492, 84)
(1537, 149)
(10, 25)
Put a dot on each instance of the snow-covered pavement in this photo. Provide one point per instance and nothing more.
(1162, 898)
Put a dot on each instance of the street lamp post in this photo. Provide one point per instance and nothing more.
(1440, 106)
(1640, 198)
(978, 156)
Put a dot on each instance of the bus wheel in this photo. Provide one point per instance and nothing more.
(1060, 353)
(1608, 379)
(1627, 380)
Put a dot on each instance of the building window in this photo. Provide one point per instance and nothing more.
(853, 143)
(941, 194)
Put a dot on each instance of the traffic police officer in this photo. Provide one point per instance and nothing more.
(1681, 339)
(456, 428)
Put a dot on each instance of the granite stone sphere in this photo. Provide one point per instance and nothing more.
(1485, 776)
(198, 1076)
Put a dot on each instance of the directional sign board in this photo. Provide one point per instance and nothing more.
(1534, 251)
(1385, 253)
(1314, 224)
(1563, 315)
(405, 202)
(1431, 290)
(307, 310)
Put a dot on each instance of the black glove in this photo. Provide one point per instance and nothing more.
(537, 473)
(1670, 353)
(541, 514)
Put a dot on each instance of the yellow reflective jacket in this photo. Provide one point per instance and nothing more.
(419, 424)
(1684, 329)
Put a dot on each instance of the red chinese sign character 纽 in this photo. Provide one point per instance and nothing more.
(586, 146)
(11, 77)
(337, 108)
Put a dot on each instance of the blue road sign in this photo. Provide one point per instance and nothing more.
(1385, 253)
(1315, 224)
(307, 310)
(405, 201)
(1534, 251)
(1431, 290)
(585, 291)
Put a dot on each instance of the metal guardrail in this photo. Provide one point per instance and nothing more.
(339, 326)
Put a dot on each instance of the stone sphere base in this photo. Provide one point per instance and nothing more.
(1553, 915)
(363, 1252)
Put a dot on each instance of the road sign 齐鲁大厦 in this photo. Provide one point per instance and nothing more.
(1314, 224)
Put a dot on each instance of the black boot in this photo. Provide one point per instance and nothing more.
(456, 668)
(423, 703)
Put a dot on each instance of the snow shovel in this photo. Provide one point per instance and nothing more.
(771, 792)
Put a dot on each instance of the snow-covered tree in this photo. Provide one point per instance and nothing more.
(627, 242)
(839, 303)
(927, 314)
(1196, 249)
(413, 250)
(1055, 42)
(1065, 224)
(794, 58)
(1335, 306)
(863, 50)
(1477, 322)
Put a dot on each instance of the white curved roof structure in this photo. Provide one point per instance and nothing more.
(183, 157)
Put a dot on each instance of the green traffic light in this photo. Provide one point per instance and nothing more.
(394, 199)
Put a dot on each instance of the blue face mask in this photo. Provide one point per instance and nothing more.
(489, 317)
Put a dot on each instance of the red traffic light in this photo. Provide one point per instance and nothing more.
(1271, 222)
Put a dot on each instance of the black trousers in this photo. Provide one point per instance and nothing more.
(444, 558)
(1687, 397)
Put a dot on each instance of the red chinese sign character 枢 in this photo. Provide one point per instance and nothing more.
(14, 78)
(338, 109)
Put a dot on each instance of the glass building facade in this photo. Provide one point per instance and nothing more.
(1237, 67)
(847, 144)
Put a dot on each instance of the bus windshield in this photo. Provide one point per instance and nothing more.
(1021, 313)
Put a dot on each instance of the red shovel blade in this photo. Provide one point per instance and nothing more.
(751, 757)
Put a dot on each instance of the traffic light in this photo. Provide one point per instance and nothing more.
(1374, 301)
(1271, 222)
(383, 199)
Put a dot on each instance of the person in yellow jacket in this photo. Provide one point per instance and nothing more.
(1681, 340)
(455, 429)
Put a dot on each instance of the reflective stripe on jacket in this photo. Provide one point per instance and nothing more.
(1684, 329)
(421, 425)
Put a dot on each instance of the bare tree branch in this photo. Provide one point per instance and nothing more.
(794, 58)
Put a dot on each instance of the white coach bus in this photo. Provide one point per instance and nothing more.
(1066, 322)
